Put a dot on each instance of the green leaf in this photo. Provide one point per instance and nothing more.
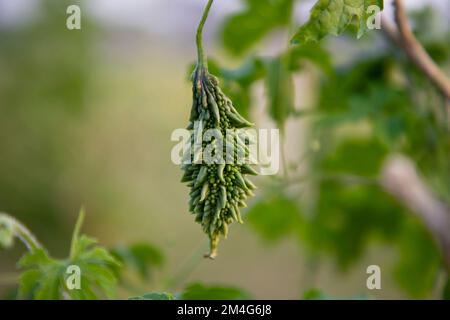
(86, 293)
(348, 217)
(50, 283)
(419, 262)
(310, 52)
(45, 277)
(154, 296)
(140, 256)
(35, 258)
(280, 90)
(28, 282)
(243, 29)
(96, 277)
(362, 157)
(251, 70)
(351, 208)
(94, 253)
(275, 216)
(197, 291)
(333, 17)
(97, 267)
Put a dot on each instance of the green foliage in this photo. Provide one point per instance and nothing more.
(348, 218)
(419, 261)
(369, 107)
(311, 52)
(45, 278)
(243, 29)
(333, 17)
(382, 102)
(345, 221)
(367, 157)
(277, 75)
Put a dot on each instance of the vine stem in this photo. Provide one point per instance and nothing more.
(187, 267)
(20, 231)
(76, 233)
(202, 60)
(402, 36)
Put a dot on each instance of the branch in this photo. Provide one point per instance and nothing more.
(400, 178)
(406, 40)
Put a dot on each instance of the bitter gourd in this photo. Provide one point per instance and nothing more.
(218, 188)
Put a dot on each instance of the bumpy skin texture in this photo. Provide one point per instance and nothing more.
(218, 190)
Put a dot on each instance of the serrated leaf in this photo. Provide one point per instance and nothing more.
(97, 267)
(197, 291)
(333, 17)
(86, 293)
(45, 277)
(96, 255)
(28, 282)
(50, 283)
(154, 296)
(243, 29)
(98, 276)
(41, 279)
(36, 258)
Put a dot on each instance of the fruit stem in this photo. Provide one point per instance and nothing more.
(213, 243)
(202, 61)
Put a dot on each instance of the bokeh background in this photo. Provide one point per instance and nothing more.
(86, 118)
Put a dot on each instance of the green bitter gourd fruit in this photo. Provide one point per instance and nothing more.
(218, 190)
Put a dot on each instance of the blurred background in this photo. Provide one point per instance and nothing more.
(86, 117)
